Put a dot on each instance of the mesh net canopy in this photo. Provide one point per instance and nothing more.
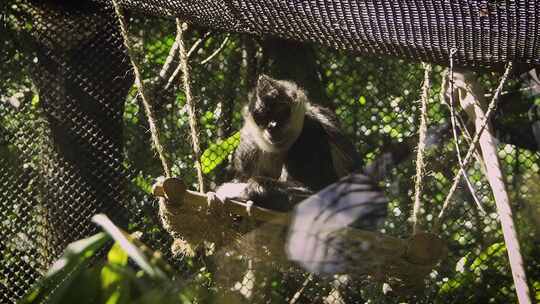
(483, 32)
(74, 138)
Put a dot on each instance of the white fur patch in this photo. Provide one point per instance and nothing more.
(294, 127)
(230, 190)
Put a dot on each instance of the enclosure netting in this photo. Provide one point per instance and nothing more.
(74, 140)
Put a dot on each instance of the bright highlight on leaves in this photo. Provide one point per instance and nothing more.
(218, 152)
(133, 251)
(66, 269)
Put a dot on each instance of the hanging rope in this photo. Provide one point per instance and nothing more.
(421, 147)
(154, 130)
(190, 103)
(470, 152)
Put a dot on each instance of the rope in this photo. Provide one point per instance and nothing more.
(470, 152)
(421, 147)
(190, 103)
(154, 130)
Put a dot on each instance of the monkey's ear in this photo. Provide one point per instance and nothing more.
(264, 77)
(266, 87)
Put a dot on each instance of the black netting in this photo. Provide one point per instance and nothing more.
(74, 138)
(483, 32)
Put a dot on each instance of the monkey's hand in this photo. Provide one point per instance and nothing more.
(273, 194)
(226, 192)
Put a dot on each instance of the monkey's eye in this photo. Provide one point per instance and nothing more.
(283, 112)
(260, 118)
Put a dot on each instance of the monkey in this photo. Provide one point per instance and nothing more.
(289, 148)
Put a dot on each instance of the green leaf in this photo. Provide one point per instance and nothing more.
(117, 255)
(85, 288)
(131, 249)
(218, 152)
(115, 284)
(362, 100)
(494, 250)
(62, 273)
(536, 288)
(35, 100)
(143, 183)
(109, 277)
(463, 279)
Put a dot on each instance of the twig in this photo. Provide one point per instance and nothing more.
(192, 51)
(216, 52)
(524, 89)
(173, 76)
(472, 147)
(421, 147)
(173, 52)
(197, 45)
(456, 140)
(301, 290)
(463, 129)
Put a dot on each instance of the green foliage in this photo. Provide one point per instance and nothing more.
(79, 277)
(536, 290)
(471, 275)
(218, 152)
(376, 100)
(132, 250)
(68, 272)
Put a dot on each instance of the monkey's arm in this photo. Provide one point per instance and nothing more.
(264, 192)
(274, 194)
(254, 176)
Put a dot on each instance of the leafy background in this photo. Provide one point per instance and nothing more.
(377, 101)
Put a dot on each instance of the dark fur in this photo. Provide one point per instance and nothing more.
(317, 158)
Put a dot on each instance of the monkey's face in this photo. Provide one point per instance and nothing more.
(273, 111)
(275, 117)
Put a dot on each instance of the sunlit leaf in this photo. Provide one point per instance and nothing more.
(63, 272)
(35, 100)
(218, 152)
(115, 285)
(132, 250)
(493, 251)
(464, 278)
(536, 287)
(117, 255)
(362, 100)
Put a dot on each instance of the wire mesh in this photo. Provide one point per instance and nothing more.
(75, 142)
(483, 32)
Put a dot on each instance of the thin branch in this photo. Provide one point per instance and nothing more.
(173, 76)
(456, 140)
(173, 52)
(463, 129)
(301, 290)
(472, 147)
(216, 52)
(196, 46)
